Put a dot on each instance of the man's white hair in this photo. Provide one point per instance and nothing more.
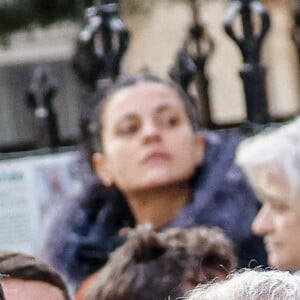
(277, 148)
(249, 284)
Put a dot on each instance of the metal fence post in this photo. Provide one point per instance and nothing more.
(250, 43)
(190, 65)
(40, 95)
(102, 44)
(295, 5)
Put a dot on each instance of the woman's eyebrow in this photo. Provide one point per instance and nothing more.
(166, 106)
(127, 116)
(161, 108)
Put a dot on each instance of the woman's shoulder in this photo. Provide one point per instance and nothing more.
(221, 193)
(219, 175)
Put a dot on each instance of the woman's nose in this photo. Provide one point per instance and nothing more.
(262, 224)
(151, 132)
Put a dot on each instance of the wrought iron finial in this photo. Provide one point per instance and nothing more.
(102, 44)
(184, 70)
(295, 5)
(191, 62)
(250, 43)
(40, 95)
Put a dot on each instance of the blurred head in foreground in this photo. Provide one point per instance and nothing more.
(26, 278)
(249, 284)
(271, 162)
(154, 265)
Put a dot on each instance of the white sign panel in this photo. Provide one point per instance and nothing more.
(30, 188)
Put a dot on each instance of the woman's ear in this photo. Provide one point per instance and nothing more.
(101, 169)
(200, 149)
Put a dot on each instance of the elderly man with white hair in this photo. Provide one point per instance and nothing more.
(271, 162)
(251, 285)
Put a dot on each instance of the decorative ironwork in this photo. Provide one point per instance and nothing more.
(250, 43)
(191, 62)
(40, 95)
(102, 44)
(184, 70)
(295, 5)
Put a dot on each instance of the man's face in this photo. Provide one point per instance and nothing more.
(278, 221)
(18, 289)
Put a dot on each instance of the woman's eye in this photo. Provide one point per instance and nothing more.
(128, 128)
(170, 120)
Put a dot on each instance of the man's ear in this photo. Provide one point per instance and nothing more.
(200, 149)
(101, 168)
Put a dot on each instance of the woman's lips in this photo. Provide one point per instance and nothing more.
(157, 156)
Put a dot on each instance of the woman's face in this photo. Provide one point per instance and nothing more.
(278, 221)
(147, 139)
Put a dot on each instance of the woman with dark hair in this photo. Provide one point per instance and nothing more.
(155, 167)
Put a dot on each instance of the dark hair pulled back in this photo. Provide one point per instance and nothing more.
(102, 98)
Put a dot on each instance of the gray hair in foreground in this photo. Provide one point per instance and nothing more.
(249, 284)
(275, 149)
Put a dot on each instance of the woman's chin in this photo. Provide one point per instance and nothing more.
(162, 181)
(157, 179)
